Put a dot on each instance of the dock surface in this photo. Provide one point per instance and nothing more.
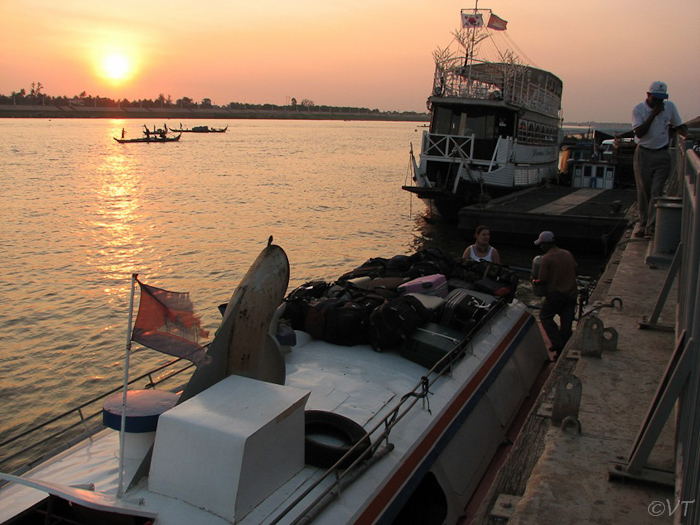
(556, 475)
(593, 216)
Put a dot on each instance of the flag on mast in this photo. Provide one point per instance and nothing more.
(497, 23)
(166, 322)
(472, 20)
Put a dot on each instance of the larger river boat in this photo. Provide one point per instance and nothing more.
(495, 121)
(292, 428)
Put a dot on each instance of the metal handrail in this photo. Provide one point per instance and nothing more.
(688, 323)
(83, 420)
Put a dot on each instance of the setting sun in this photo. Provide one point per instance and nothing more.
(116, 67)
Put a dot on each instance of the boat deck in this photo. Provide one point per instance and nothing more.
(576, 215)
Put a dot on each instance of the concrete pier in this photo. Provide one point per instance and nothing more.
(558, 473)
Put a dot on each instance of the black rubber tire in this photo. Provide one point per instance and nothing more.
(339, 427)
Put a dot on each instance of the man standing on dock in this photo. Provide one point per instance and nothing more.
(558, 270)
(653, 121)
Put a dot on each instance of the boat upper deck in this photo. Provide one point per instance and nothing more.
(520, 85)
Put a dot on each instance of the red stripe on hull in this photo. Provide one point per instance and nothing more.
(392, 487)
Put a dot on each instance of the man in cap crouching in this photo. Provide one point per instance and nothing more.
(558, 270)
(653, 121)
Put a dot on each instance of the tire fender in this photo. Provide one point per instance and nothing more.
(329, 436)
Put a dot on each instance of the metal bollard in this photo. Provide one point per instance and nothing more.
(567, 398)
(597, 338)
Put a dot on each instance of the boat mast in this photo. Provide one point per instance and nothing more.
(470, 51)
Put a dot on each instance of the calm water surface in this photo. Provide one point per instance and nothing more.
(81, 213)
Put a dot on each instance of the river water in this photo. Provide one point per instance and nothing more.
(81, 213)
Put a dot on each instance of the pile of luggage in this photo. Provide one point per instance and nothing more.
(387, 302)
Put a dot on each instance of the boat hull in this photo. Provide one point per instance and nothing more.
(432, 431)
(457, 448)
(147, 139)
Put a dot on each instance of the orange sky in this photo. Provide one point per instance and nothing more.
(367, 53)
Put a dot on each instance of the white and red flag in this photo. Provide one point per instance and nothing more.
(472, 20)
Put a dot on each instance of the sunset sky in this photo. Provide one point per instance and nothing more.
(366, 53)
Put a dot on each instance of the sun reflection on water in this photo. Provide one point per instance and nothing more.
(116, 221)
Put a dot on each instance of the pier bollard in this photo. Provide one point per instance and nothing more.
(669, 215)
(669, 211)
(597, 338)
(567, 398)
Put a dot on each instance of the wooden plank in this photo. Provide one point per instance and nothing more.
(568, 202)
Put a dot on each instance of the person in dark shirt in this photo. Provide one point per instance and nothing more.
(558, 270)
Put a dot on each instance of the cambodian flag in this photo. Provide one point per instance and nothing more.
(497, 23)
(166, 322)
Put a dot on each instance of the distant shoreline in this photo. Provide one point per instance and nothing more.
(22, 111)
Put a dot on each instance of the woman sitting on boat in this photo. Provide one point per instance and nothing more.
(481, 250)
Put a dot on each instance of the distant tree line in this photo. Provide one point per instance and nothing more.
(37, 97)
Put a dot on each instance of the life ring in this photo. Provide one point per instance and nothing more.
(329, 436)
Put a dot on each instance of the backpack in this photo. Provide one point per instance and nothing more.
(391, 322)
(374, 267)
(430, 261)
(346, 324)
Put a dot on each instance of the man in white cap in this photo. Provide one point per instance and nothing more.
(653, 121)
(558, 270)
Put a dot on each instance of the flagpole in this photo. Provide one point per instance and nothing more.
(471, 47)
(122, 427)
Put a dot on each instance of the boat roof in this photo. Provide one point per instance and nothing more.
(490, 70)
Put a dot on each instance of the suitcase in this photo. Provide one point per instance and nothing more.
(429, 284)
(432, 303)
(430, 343)
(464, 308)
(384, 284)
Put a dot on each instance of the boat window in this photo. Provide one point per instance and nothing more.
(442, 122)
(482, 127)
(427, 504)
(504, 125)
(536, 133)
(481, 124)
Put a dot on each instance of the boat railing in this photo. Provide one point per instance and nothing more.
(380, 433)
(23, 451)
(511, 85)
(449, 146)
(454, 83)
